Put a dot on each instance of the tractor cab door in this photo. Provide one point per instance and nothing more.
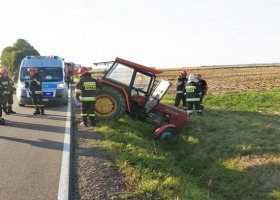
(157, 95)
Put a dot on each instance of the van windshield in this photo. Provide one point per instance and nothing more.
(49, 74)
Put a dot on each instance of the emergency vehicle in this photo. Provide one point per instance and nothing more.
(51, 69)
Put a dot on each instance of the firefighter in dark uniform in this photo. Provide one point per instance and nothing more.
(8, 91)
(86, 91)
(193, 92)
(35, 86)
(2, 120)
(204, 88)
(180, 90)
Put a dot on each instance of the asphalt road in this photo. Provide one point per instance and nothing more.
(31, 149)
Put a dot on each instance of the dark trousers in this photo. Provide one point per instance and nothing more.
(178, 98)
(7, 99)
(68, 81)
(7, 102)
(87, 109)
(195, 104)
(0, 110)
(201, 99)
(37, 100)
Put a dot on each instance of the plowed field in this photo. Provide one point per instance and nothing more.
(231, 79)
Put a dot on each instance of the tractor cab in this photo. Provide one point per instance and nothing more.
(131, 88)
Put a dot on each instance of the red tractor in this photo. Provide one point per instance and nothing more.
(131, 88)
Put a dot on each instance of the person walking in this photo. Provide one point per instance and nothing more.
(180, 90)
(204, 87)
(35, 87)
(2, 120)
(193, 93)
(8, 91)
(86, 91)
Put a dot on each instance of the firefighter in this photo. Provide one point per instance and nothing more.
(8, 91)
(2, 120)
(180, 91)
(193, 93)
(35, 86)
(86, 91)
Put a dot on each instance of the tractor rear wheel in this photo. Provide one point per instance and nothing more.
(110, 104)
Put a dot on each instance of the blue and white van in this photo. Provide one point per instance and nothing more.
(51, 69)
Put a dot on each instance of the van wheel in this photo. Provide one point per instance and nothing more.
(65, 102)
(21, 104)
(110, 104)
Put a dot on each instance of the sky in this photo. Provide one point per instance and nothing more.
(154, 33)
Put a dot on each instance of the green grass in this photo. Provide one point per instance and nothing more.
(231, 152)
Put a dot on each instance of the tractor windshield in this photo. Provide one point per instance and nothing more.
(121, 74)
(126, 76)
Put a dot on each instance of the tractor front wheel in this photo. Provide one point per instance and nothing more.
(167, 133)
(110, 104)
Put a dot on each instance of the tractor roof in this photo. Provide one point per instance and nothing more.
(138, 66)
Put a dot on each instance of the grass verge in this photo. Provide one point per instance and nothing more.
(232, 152)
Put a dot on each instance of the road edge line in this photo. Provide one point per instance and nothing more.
(63, 190)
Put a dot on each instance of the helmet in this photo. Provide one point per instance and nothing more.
(4, 70)
(32, 69)
(82, 71)
(183, 73)
(191, 78)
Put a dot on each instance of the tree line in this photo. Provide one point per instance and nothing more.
(12, 56)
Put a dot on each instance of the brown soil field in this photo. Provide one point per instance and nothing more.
(230, 79)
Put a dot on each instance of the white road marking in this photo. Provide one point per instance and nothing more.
(63, 190)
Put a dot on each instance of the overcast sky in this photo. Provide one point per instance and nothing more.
(156, 33)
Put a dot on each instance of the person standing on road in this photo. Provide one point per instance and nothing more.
(67, 76)
(35, 86)
(8, 91)
(204, 87)
(86, 91)
(180, 90)
(193, 93)
(2, 120)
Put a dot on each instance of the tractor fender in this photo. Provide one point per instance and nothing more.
(119, 88)
(161, 129)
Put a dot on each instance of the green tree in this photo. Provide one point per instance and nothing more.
(11, 56)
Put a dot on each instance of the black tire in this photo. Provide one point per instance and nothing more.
(167, 133)
(65, 102)
(21, 105)
(110, 104)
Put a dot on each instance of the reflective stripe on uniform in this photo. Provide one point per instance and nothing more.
(39, 105)
(180, 83)
(92, 115)
(87, 98)
(6, 92)
(190, 88)
(83, 115)
(89, 85)
(179, 92)
(38, 92)
(77, 91)
(193, 99)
